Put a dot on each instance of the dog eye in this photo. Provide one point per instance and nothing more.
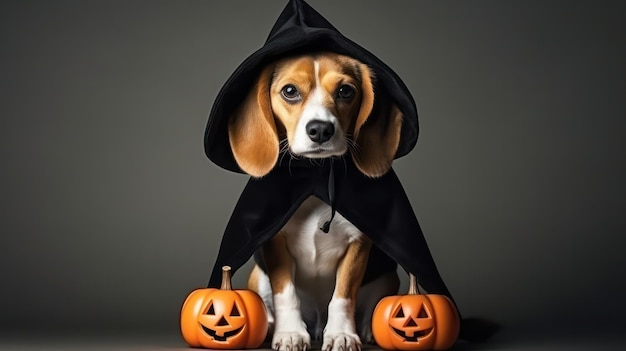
(345, 92)
(290, 93)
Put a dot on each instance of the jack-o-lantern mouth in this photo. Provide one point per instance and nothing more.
(416, 335)
(224, 337)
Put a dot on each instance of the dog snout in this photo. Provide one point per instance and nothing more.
(320, 131)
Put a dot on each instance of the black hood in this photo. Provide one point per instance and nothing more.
(301, 29)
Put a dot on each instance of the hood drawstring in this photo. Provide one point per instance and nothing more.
(331, 197)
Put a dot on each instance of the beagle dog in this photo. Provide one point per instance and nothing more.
(316, 106)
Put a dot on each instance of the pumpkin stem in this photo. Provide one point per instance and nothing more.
(226, 274)
(413, 289)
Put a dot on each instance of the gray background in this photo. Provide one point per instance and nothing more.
(110, 212)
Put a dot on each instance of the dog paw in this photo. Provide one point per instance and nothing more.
(341, 342)
(291, 341)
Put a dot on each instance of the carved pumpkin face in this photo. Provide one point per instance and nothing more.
(411, 322)
(415, 322)
(223, 318)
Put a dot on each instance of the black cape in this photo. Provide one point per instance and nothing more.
(378, 207)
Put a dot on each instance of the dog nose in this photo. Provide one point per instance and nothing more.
(320, 131)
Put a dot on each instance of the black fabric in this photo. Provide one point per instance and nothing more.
(378, 207)
(300, 29)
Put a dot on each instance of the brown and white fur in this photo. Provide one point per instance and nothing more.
(317, 106)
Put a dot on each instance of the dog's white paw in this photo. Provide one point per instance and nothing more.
(291, 341)
(341, 342)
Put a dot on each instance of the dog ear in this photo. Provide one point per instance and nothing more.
(252, 130)
(377, 129)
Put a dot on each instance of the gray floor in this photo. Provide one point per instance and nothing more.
(502, 341)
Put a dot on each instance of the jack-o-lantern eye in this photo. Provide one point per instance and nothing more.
(235, 311)
(399, 313)
(423, 313)
(211, 310)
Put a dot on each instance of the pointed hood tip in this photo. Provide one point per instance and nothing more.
(298, 13)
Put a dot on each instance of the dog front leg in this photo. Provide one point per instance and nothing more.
(340, 332)
(290, 332)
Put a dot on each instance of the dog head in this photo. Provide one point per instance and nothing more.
(322, 105)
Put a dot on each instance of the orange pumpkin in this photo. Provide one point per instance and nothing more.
(223, 318)
(415, 321)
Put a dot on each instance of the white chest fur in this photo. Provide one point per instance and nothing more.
(315, 253)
